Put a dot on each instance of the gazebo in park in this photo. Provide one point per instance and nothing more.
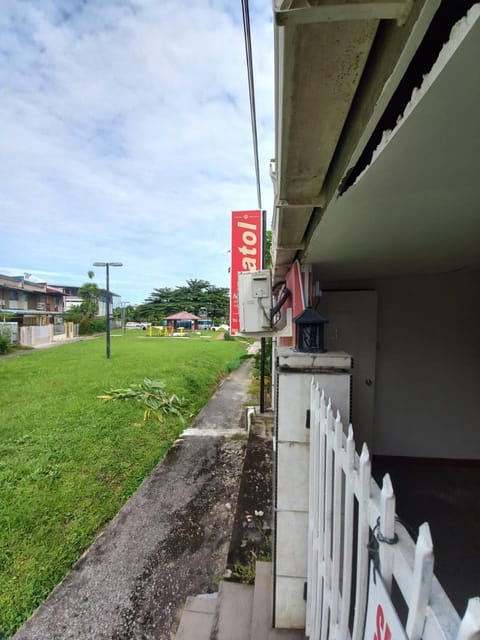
(183, 317)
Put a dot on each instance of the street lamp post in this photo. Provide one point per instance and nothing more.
(124, 306)
(107, 265)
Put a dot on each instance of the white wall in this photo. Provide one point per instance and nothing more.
(36, 334)
(427, 386)
(428, 367)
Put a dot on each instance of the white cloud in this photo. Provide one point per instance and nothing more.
(125, 132)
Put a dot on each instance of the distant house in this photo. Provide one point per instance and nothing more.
(34, 310)
(72, 299)
(28, 302)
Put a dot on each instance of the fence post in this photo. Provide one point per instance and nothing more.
(313, 517)
(319, 594)
(347, 534)
(422, 583)
(327, 542)
(362, 551)
(387, 531)
(470, 624)
(337, 521)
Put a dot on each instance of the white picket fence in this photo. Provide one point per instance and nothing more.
(338, 478)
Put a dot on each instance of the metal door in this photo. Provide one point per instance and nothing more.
(352, 327)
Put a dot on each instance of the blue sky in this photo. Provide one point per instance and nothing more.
(125, 136)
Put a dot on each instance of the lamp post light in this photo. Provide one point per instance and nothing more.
(107, 265)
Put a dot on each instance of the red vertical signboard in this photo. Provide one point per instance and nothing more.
(246, 254)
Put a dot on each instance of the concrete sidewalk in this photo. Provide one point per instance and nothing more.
(169, 541)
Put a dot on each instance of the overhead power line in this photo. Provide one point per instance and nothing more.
(251, 91)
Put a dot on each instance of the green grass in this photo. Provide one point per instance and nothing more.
(68, 461)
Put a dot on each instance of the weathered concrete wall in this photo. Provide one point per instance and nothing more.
(295, 371)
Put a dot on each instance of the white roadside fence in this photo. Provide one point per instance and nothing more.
(350, 520)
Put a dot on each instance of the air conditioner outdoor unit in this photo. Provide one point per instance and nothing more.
(254, 301)
(40, 306)
(257, 315)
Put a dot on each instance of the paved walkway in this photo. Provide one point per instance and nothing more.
(169, 541)
(47, 345)
(58, 343)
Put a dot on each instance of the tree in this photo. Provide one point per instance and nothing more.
(196, 297)
(129, 311)
(84, 313)
(90, 293)
(268, 249)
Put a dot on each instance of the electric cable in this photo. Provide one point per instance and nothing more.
(251, 91)
(286, 293)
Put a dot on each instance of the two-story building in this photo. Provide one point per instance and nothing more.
(29, 302)
(377, 227)
(35, 310)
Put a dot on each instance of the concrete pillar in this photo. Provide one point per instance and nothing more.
(294, 373)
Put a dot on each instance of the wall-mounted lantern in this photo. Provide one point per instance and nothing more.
(310, 326)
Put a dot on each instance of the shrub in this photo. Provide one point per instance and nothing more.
(98, 325)
(84, 327)
(88, 326)
(4, 343)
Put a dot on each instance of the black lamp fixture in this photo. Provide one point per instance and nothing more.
(310, 327)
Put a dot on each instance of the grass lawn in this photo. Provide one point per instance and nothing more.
(68, 461)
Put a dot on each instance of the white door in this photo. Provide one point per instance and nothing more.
(352, 327)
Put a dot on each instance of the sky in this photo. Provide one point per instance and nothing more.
(125, 135)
